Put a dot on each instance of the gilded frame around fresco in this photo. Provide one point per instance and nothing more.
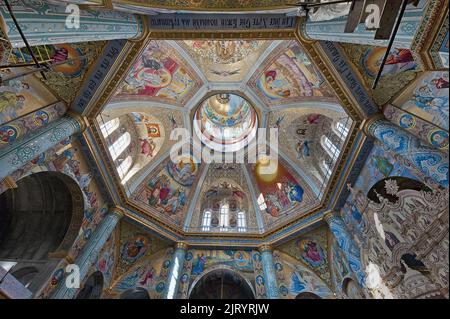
(121, 68)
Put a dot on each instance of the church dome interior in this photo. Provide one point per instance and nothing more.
(224, 149)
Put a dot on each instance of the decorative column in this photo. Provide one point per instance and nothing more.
(19, 153)
(45, 23)
(333, 30)
(428, 160)
(90, 251)
(269, 272)
(176, 266)
(427, 132)
(347, 245)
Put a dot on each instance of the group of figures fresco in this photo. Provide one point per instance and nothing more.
(168, 190)
(159, 73)
(281, 191)
(148, 273)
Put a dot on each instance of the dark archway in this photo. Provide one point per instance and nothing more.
(222, 284)
(135, 293)
(402, 183)
(42, 215)
(93, 287)
(307, 295)
(351, 289)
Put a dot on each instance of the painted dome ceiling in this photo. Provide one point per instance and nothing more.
(224, 91)
(225, 122)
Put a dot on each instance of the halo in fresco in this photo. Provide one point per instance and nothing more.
(134, 249)
(399, 60)
(160, 74)
(312, 253)
(184, 171)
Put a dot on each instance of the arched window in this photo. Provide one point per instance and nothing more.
(241, 222)
(342, 130)
(326, 169)
(120, 145)
(224, 217)
(262, 202)
(130, 173)
(330, 148)
(109, 127)
(206, 222)
(124, 167)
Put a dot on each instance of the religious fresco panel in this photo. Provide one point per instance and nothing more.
(160, 74)
(312, 251)
(288, 76)
(281, 193)
(166, 193)
(294, 278)
(428, 98)
(400, 69)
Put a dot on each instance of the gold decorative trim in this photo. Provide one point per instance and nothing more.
(181, 245)
(433, 18)
(276, 34)
(82, 120)
(118, 211)
(9, 182)
(265, 248)
(367, 123)
(61, 254)
(329, 214)
(429, 49)
(303, 38)
(105, 4)
(145, 30)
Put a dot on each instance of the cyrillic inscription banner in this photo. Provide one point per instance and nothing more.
(208, 22)
(97, 75)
